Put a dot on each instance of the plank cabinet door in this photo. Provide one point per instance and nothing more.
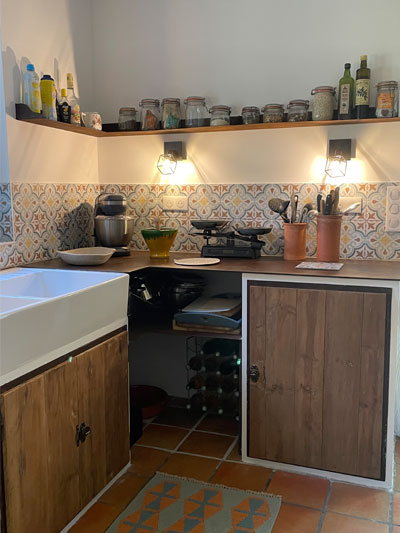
(319, 399)
(41, 463)
(103, 406)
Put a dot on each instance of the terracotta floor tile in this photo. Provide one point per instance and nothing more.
(336, 523)
(162, 436)
(206, 444)
(359, 501)
(302, 490)
(176, 416)
(145, 461)
(396, 480)
(234, 455)
(396, 529)
(241, 476)
(296, 519)
(97, 519)
(396, 508)
(124, 490)
(219, 424)
(189, 466)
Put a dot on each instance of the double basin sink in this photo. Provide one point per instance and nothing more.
(45, 314)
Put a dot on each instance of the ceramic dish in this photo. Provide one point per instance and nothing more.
(194, 261)
(95, 255)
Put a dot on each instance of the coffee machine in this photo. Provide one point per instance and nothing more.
(112, 227)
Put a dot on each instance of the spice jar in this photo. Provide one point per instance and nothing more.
(196, 112)
(273, 113)
(298, 110)
(127, 119)
(251, 115)
(171, 113)
(220, 115)
(323, 103)
(149, 114)
(387, 99)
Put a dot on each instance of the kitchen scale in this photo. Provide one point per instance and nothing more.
(249, 245)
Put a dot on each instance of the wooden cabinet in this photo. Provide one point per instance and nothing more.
(321, 354)
(48, 478)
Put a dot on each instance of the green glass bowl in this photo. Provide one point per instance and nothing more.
(159, 241)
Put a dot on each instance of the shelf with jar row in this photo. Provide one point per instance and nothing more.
(110, 130)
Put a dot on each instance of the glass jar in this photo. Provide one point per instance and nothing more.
(127, 119)
(220, 115)
(196, 112)
(273, 113)
(323, 103)
(171, 113)
(149, 114)
(251, 115)
(387, 99)
(298, 110)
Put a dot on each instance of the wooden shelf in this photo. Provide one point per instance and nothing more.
(206, 129)
(137, 329)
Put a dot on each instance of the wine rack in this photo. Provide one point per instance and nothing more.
(213, 375)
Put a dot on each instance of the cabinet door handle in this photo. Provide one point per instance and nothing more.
(254, 373)
(81, 432)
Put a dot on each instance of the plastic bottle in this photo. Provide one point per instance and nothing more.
(48, 95)
(32, 89)
(73, 101)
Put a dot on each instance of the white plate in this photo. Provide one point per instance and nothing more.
(197, 261)
(96, 255)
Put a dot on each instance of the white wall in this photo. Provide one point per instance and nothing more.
(256, 156)
(4, 171)
(235, 52)
(57, 38)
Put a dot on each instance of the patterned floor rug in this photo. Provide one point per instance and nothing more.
(171, 504)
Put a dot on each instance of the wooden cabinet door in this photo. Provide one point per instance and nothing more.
(103, 406)
(41, 460)
(319, 400)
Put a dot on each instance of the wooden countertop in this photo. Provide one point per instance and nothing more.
(361, 269)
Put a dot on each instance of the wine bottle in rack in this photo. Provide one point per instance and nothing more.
(212, 383)
(195, 363)
(196, 382)
(197, 402)
(223, 347)
(211, 364)
(227, 367)
(229, 384)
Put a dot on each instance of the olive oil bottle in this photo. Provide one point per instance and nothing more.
(362, 93)
(346, 94)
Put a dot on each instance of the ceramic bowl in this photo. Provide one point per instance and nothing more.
(159, 241)
(95, 255)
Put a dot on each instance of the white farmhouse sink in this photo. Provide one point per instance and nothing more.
(45, 314)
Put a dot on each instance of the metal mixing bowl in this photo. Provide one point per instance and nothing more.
(114, 230)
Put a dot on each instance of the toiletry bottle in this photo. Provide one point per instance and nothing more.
(48, 96)
(32, 89)
(64, 109)
(73, 101)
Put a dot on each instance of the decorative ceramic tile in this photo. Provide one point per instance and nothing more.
(48, 217)
(6, 229)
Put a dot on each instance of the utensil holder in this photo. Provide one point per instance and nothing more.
(294, 241)
(328, 237)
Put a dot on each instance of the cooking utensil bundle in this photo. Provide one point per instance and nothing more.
(289, 210)
(330, 204)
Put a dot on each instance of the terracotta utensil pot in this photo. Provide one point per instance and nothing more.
(294, 241)
(328, 237)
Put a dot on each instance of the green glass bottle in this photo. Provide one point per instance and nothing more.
(346, 94)
(362, 93)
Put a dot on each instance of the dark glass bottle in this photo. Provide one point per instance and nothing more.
(195, 363)
(196, 382)
(211, 364)
(346, 94)
(362, 92)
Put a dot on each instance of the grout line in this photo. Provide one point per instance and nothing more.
(189, 429)
(228, 451)
(361, 518)
(391, 512)
(189, 433)
(324, 508)
(269, 481)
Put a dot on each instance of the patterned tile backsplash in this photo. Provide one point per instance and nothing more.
(48, 217)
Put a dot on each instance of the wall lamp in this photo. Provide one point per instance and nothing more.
(173, 152)
(339, 152)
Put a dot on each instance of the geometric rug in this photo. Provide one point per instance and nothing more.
(171, 504)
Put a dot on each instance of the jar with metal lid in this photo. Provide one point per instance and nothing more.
(149, 114)
(171, 113)
(273, 113)
(220, 115)
(127, 119)
(387, 99)
(298, 110)
(196, 114)
(251, 115)
(323, 103)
